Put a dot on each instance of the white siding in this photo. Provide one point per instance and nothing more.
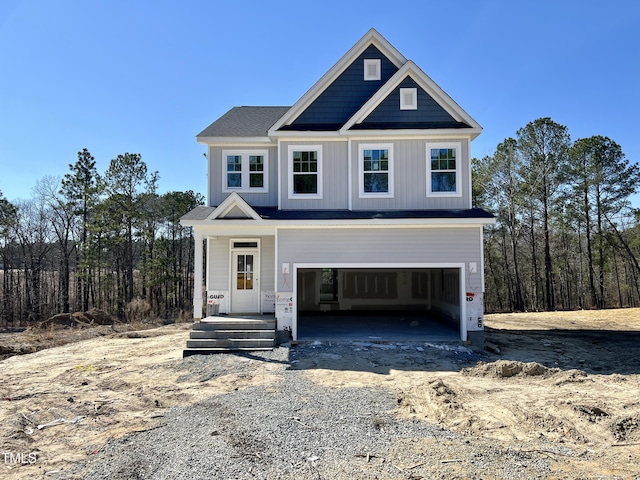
(218, 263)
(335, 184)
(267, 263)
(410, 178)
(380, 246)
(216, 178)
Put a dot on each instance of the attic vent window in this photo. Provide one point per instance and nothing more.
(372, 69)
(408, 99)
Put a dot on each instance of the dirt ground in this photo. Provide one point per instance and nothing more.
(570, 380)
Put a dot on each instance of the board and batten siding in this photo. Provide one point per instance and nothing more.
(217, 177)
(410, 178)
(391, 246)
(218, 263)
(267, 263)
(335, 173)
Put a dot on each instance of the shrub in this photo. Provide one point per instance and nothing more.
(138, 310)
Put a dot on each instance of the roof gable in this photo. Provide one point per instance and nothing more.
(436, 109)
(234, 207)
(429, 113)
(345, 95)
(383, 49)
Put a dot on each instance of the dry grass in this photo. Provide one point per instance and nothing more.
(138, 310)
(34, 339)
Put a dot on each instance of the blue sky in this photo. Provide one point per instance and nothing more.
(147, 76)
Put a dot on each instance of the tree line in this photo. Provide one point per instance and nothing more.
(90, 240)
(566, 236)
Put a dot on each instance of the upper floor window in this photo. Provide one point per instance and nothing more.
(443, 169)
(305, 171)
(376, 170)
(245, 171)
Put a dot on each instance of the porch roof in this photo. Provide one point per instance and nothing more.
(272, 213)
(203, 214)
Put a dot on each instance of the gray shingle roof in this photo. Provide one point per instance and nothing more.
(245, 122)
(201, 212)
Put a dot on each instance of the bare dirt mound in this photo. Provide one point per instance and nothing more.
(509, 368)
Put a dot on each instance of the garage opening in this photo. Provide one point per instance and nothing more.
(379, 303)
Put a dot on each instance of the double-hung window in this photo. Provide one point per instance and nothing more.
(443, 169)
(375, 164)
(245, 171)
(305, 171)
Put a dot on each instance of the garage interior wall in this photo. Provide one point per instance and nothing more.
(435, 291)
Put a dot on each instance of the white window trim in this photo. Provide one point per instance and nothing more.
(246, 188)
(304, 148)
(372, 62)
(458, 147)
(404, 105)
(374, 146)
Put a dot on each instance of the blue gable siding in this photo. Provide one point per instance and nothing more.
(429, 113)
(344, 97)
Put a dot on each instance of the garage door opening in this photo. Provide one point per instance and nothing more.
(379, 303)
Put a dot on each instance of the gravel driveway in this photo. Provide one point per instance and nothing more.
(297, 429)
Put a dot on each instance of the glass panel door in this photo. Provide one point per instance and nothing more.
(245, 281)
(244, 272)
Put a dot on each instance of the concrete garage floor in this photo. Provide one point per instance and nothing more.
(380, 326)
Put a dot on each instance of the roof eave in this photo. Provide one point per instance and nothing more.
(472, 133)
(344, 223)
(234, 140)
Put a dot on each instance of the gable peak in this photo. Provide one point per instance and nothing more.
(372, 37)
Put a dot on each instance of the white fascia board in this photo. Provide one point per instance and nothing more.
(444, 133)
(233, 140)
(371, 37)
(426, 83)
(448, 135)
(299, 135)
(400, 134)
(222, 224)
(393, 265)
(389, 223)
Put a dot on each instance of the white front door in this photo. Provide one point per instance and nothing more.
(245, 281)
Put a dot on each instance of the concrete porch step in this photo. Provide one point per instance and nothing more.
(225, 333)
(237, 334)
(187, 352)
(234, 324)
(229, 343)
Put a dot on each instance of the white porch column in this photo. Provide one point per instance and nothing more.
(197, 277)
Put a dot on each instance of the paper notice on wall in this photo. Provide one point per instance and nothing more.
(268, 302)
(284, 310)
(219, 297)
(475, 311)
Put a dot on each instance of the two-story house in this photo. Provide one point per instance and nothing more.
(356, 198)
